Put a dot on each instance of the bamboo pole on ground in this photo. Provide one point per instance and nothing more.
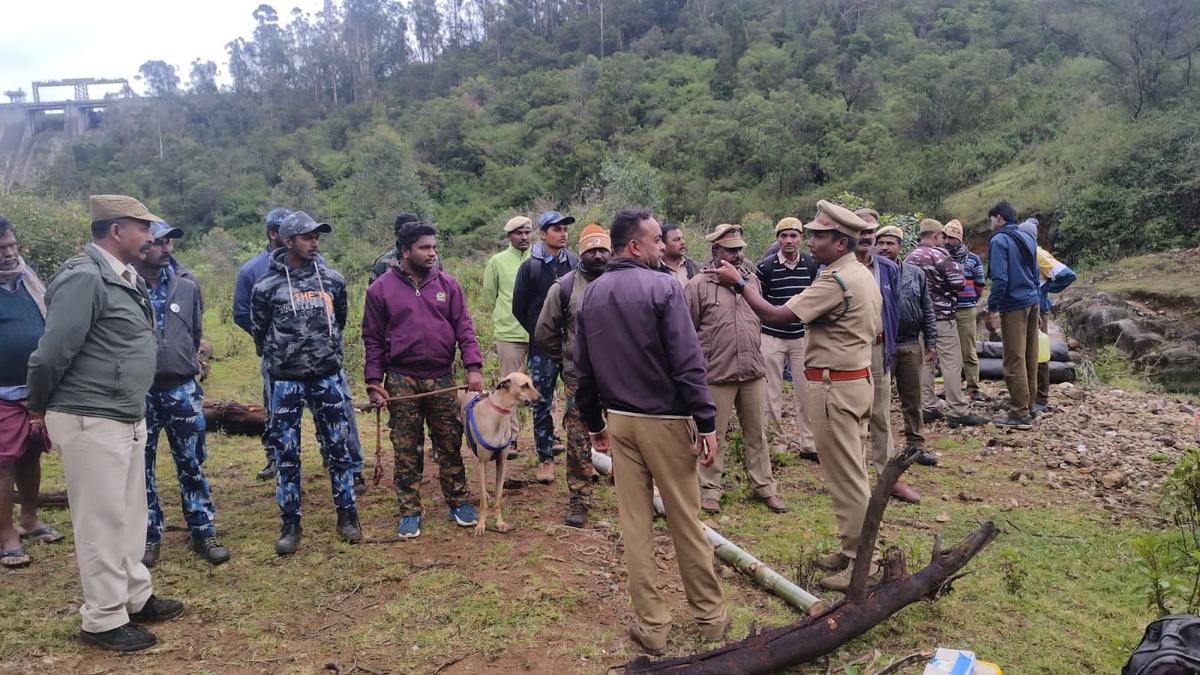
(731, 553)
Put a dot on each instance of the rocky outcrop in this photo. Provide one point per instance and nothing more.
(1167, 351)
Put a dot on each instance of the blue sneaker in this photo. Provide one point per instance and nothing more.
(464, 515)
(409, 527)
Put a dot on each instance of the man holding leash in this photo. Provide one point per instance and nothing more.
(414, 320)
(555, 335)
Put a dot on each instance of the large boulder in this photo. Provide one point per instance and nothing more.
(1175, 367)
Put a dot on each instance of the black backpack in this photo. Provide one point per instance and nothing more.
(1171, 646)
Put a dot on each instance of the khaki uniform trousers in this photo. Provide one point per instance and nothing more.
(881, 412)
(512, 360)
(968, 333)
(908, 369)
(949, 358)
(775, 353)
(839, 413)
(106, 485)
(1019, 331)
(649, 451)
(749, 398)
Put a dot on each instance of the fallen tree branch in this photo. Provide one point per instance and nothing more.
(815, 636)
(46, 499)
(235, 418)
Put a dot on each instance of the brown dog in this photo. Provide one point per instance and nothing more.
(490, 434)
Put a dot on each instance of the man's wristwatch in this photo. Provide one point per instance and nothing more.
(738, 287)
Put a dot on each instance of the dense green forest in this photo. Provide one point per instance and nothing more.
(1083, 112)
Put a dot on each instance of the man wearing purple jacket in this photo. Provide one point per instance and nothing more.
(414, 319)
(637, 356)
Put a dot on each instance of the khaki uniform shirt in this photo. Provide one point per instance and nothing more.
(125, 272)
(846, 343)
(680, 273)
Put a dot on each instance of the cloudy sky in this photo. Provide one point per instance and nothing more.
(58, 39)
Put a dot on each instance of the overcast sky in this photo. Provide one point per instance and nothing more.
(59, 39)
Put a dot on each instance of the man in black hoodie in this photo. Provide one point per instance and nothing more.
(298, 311)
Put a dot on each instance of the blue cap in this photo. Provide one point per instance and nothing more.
(553, 218)
(276, 216)
(160, 229)
(299, 222)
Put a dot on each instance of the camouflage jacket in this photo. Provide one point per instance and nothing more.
(297, 317)
(945, 279)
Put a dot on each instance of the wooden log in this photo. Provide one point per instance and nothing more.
(235, 418)
(862, 609)
(46, 499)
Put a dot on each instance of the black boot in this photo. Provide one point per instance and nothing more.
(347, 527)
(577, 515)
(157, 609)
(150, 555)
(210, 549)
(360, 485)
(289, 537)
(268, 472)
(124, 639)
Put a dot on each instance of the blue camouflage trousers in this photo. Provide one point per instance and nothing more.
(179, 410)
(352, 440)
(544, 373)
(325, 400)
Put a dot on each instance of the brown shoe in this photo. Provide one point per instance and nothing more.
(832, 562)
(636, 636)
(545, 472)
(775, 504)
(710, 505)
(841, 580)
(905, 494)
(716, 632)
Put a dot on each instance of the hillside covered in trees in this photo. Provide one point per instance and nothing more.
(1082, 112)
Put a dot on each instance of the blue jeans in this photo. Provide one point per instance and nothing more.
(352, 439)
(544, 372)
(180, 411)
(323, 395)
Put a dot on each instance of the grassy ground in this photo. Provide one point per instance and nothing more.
(1056, 593)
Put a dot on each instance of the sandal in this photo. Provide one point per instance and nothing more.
(15, 559)
(44, 535)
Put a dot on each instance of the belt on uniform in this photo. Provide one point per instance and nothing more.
(818, 374)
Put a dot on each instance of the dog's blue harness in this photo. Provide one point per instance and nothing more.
(474, 440)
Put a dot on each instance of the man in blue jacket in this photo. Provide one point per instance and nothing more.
(1013, 303)
(248, 275)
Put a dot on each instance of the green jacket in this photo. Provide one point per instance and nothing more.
(98, 355)
(498, 279)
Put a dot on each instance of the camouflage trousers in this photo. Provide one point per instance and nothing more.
(543, 370)
(579, 452)
(324, 398)
(407, 420)
(351, 439)
(179, 410)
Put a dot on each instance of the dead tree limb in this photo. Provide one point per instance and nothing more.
(812, 637)
(235, 418)
(46, 499)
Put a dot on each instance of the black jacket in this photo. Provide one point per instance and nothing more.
(534, 278)
(916, 307)
(182, 318)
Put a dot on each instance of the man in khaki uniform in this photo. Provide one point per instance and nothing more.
(729, 336)
(842, 310)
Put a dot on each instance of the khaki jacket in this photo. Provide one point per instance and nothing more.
(555, 329)
(728, 329)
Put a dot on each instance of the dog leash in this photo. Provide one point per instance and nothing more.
(377, 474)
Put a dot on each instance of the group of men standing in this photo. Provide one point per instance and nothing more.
(656, 354)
